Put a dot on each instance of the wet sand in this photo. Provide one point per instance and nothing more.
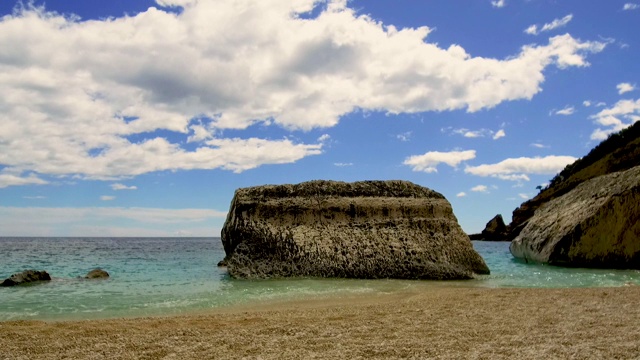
(442, 323)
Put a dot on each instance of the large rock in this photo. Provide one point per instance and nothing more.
(25, 277)
(368, 229)
(594, 225)
(495, 230)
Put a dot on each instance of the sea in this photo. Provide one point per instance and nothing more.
(172, 276)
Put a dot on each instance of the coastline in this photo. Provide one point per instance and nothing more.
(439, 323)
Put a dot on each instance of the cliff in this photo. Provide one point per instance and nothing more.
(594, 225)
(621, 151)
(367, 229)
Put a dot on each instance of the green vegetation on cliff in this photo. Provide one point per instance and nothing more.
(620, 151)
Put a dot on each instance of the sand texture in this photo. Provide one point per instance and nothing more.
(439, 323)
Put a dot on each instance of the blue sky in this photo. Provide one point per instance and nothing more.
(141, 118)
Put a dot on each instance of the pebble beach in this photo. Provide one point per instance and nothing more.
(440, 323)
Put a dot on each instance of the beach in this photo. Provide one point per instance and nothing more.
(440, 323)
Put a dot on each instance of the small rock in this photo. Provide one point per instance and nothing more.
(25, 277)
(97, 274)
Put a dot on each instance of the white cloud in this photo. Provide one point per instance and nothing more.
(429, 161)
(11, 179)
(107, 198)
(630, 6)
(586, 103)
(342, 164)
(499, 134)
(539, 146)
(324, 138)
(498, 3)
(480, 188)
(625, 87)
(568, 110)
(516, 169)
(248, 63)
(123, 187)
(622, 115)
(532, 30)
(524, 196)
(461, 194)
(404, 136)
(555, 24)
(36, 221)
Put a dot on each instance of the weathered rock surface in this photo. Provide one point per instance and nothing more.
(495, 230)
(368, 229)
(594, 225)
(25, 277)
(97, 274)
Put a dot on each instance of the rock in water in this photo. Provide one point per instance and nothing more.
(594, 225)
(495, 230)
(367, 229)
(97, 274)
(25, 277)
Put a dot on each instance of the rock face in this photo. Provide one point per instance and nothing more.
(495, 230)
(368, 229)
(25, 277)
(597, 224)
(97, 274)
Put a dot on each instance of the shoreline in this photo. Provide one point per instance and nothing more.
(440, 322)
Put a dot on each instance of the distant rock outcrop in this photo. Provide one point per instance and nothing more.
(368, 229)
(597, 224)
(495, 230)
(25, 277)
(97, 274)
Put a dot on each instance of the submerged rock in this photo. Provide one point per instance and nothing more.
(495, 230)
(25, 277)
(97, 274)
(367, 229)
(594, 225)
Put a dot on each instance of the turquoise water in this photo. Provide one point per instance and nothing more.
(164, 276)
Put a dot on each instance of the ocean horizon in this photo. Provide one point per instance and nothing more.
(179, 275)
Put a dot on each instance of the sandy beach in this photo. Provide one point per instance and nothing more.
(443, 323)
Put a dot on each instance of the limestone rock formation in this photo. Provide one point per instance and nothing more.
(495, 230)
(97, 274)
(367, 229)
(597, 224)
(25, 277)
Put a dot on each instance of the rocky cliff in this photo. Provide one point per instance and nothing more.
(368, 229)
(597, 224)
(621, 151)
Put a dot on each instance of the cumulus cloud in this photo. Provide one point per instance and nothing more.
(625, 87)
(11, 179)
(480, 188)
(119, 186)
(568, 110)
(498, 3)
(499, 134)
(96, 99)
(622, 115)
(586, 103)
(517, 169)
(461, 194)
(555, 24)
(630, 6)
(406, 136)
(429, 161)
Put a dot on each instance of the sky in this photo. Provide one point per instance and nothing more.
(142, 117)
